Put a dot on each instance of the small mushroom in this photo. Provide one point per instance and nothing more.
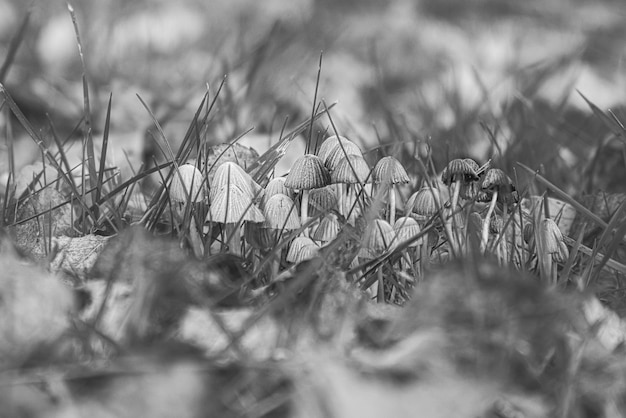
(497, 184)
(407, 229)
(388, 172)
(322, 201)
(378, 238)
(231, 206)
(308, 172)
(327, 229)
(351, 170)
(424, 204)
(334, 148)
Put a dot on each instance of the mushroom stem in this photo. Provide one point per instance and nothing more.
(232, 237)
(486, 223)
(380, 297)
(425, 254)
(304, 210)
(392, 204)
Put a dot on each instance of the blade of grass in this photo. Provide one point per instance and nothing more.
(14, 45)
(103, 151)
(564, 196)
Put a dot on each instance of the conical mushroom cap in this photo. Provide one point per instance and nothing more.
(552, 235)
(322, 200)
(388, 170)
(231, 204)
(459, 170)
(351, 170)
(496, 179)
(186, 185)
(329, 146)
(378, 237)
(335, 155)
(406, 228)
(276, 186)
(297, 246)
(425, 202)
(281, 213)
(327, 229)
(307, 173)
(231, 173)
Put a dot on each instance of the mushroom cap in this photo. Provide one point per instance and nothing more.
(281, 213)
(308, 172)
(186, 185)
(298, 246)
(388, 170)
(229, 173)
(276, 186)
(552, 235)
(352, 169)
(322, 200)
(406, 228)
(334, 148)
(232, 204)
(378, 237)
(496, 179)
(327, 229)
(425, 202)
(459, 170)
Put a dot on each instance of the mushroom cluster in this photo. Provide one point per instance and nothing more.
(467, 210)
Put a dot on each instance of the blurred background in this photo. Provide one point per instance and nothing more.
(499, 79)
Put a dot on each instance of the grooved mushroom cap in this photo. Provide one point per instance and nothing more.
(388, 170)
(425, 202)
(331, 152)
(351, 170)
(276, 186)
(231, 174)
(406, 228)
(301, 244)
(327, 229)
(552, 236)
(496, 179)
(281, 213)
(459, 170)
(307, 173)
(378, 237)
(322, 200)
(232, 204)
(186, 184)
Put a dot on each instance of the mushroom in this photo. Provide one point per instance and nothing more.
(423, 205)
(276, 186)
(280, 215)
(551, 248)
(308, 172)
(230, 206)
(301, 248)
(378, 238)
(407, 229)
(322, 201)
(327, 229)
(389, 172)
(500, 187)
(334, 148)
(186, 185)
(351, 170)
(186, 188)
